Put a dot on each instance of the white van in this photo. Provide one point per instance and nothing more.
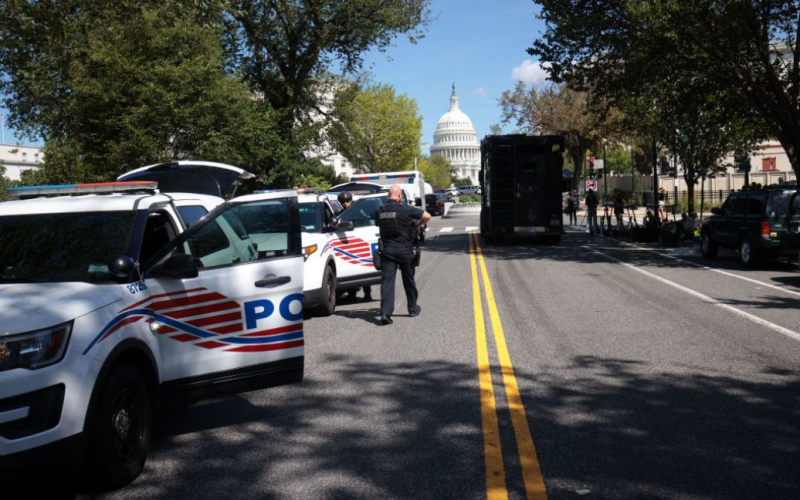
(462, 190)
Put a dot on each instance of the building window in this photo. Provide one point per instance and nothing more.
(36, 157)
(24, 156)
(768, 164)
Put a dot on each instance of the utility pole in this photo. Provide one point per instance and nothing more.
(655, 177)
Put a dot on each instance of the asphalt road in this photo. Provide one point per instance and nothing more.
(641, 373)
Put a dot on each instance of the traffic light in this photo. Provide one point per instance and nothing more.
(591, 163)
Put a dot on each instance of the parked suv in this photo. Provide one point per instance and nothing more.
(757, 223)
(434, 203)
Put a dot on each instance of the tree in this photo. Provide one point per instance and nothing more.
(437, 171)
(556, 110)
(284, 49)
(112, 85)
(377, 130)
(741, 54)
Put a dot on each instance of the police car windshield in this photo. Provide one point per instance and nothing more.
(362, 212)
(309, 217)
(63, 247)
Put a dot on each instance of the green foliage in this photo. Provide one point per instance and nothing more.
(284, 49)
(469, 198)
(112, 86)
(376, 129)
(462, 181)
(437, 171)
(4, 184)
(714, 73)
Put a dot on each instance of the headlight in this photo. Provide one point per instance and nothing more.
(34, 350)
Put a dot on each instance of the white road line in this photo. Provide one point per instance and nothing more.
(471, 229)
(705, 298)
(446, 230)
(726, 273)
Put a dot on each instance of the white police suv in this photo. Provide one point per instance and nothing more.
(338, 257)
(110, 303)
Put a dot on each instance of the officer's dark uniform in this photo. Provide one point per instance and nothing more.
(397, 223)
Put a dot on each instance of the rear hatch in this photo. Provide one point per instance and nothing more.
(537, 190)
(783, 215)
(200, 177)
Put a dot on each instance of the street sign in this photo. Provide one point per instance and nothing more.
(598, 164)
(591, 184)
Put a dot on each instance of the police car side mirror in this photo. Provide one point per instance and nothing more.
(342, 225)
(179, 266)
(122, 266)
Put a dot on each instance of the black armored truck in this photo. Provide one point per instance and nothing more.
(521, 185)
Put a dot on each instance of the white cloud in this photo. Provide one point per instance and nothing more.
(529, 72)
(480, 92)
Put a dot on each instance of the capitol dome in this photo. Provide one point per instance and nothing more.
(455, 139)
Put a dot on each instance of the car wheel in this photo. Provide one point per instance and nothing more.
(119, 441)
(328, 302)
(748, 255)
(708, 248)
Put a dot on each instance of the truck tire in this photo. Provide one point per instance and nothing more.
(120, 440)
(708, 248)
(327, 304)
(748, 255)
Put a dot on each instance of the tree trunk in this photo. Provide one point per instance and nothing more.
(577, 162)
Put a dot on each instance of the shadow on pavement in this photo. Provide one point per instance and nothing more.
(412, 431)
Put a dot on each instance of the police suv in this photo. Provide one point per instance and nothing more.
(110, 303)
(338, 257)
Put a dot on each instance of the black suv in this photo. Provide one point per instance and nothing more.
(758, 223)
(434, 203)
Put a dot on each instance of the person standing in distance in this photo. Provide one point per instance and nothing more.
(398, 225)
(345, 200)
(591, 210)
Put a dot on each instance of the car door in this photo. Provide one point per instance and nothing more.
(226, 297)
(354, 249)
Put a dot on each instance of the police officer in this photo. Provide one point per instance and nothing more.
(346, 199)
(399, 224)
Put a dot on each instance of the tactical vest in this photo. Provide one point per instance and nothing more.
(394, 231)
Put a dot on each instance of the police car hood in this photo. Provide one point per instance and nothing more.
(29, 306)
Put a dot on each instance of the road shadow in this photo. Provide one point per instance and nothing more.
(617, 427)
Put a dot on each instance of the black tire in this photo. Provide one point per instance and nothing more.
(120, 438)
(748, 255)
(708, 247)
(327, 302)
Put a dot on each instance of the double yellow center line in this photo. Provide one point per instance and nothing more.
(493, 453)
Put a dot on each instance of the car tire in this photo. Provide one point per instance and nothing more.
(748, 255)
(327, 304)
(708, 247)
(120, 438)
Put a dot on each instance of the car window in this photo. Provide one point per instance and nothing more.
(740, 208)
(729, 203)
(309, 217)
(796, 205)
(756, 205)
(192, 213)
(243, 233)
(60, 247)
(362, 212)
(158, 232)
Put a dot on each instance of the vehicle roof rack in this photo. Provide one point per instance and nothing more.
(93, 188)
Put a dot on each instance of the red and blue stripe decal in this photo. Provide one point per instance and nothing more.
(186, 315)
(351, 250)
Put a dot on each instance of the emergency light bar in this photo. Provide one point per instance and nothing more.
(379, 176)
(101, 187)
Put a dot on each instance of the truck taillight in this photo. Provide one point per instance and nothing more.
(765, 229)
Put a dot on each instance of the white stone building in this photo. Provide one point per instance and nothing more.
(455, 139)
(17, 159)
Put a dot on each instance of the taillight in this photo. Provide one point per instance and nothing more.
(765, 229)
(437, 203)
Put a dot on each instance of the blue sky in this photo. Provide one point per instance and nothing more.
(480, 45)
(477, 44)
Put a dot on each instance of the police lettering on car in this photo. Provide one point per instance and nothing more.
(399, 224)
